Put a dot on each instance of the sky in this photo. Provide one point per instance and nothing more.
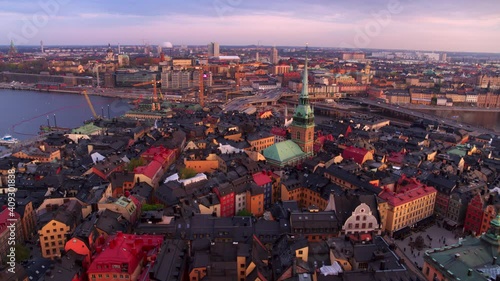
(433, 25)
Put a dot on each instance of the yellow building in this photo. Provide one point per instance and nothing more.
(409, 205)
(207, 165)
(53, 234)
(260, 141)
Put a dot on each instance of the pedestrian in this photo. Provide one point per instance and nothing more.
(404, 249)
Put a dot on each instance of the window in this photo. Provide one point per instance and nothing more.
(300, 252)
(298, 135)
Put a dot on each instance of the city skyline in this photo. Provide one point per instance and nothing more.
(425, 25)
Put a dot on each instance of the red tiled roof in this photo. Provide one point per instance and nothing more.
(278, 131)
(397, 199)
(4, 219)
(357, 154)
(261, 178)
(149, 170)
(124, 249)
(396, 157)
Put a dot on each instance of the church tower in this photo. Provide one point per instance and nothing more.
(302, 127)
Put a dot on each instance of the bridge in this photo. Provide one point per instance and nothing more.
(414, 113)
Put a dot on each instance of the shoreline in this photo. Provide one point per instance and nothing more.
(123, 93)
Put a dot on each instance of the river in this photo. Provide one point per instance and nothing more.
(489, 120)
(22, 112)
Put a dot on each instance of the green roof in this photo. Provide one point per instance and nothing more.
(283, 151)
(456, 260)
(87, 129)
(460, 150)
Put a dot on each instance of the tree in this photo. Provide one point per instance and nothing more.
(134, 163)
(419, 243)
(187, 173)
(151, 207)
(244, 213)
(22, 253)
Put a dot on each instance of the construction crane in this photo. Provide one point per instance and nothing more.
(201, 94)
(237, 78)
(90, 104)
(155, 105)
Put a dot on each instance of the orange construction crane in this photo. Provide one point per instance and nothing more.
(84, 92)
(155, 105)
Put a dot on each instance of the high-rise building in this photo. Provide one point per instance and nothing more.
(41, 46)
(302, 127)
(213, 49)
(274, 56)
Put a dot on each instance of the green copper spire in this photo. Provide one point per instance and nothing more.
(12, 49)
(304, 115)
(304, 95)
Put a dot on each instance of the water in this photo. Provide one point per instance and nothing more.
(22, 112)
(489, 120)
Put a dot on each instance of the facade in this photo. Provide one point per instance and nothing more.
(485, 81)
(54, 233)
(489, 99)
(28, 217)
(8, 227)
(302, 127)
(274, 56)
(213, 49)
(255, 200)
(408, 205)
(128, 79)
(264, 180)
(226, 195)
(479, 215)
(361, 221)
(260, 141)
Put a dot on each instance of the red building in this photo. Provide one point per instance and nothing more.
(159, 153)
(479, 215)
(149, 173)
(109, 165)
(123, 256)
(474, 215)
(225, 192)
(264, 180)
(356, 88)
(358, 155)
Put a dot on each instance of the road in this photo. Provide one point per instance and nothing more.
(412, 112)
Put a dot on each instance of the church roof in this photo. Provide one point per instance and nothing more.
(283, 151)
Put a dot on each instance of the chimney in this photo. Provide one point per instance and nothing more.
(382, 265)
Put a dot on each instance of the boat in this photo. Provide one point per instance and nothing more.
(8, 139)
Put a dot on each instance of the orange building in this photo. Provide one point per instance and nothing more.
(207, 165)
(488, 99)
(255, 200)
(83, 241)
